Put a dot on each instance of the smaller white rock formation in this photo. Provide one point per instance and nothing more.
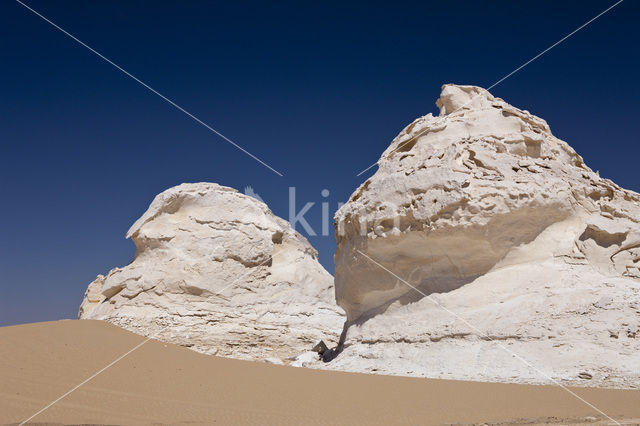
(217, 271)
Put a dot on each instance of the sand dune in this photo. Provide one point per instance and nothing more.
(167, 384)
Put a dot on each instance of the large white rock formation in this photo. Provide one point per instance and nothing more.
(217, 271)
(484, 248)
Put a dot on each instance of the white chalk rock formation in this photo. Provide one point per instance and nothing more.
(484, 248)
(217, 271)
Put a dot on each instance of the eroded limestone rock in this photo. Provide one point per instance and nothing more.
(487, 214)
(215, 270)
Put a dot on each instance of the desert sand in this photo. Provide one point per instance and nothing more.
(163, 383)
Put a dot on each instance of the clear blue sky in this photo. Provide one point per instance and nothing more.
(317, 91)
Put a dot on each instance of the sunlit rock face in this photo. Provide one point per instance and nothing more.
(217, 271)
(484, 211)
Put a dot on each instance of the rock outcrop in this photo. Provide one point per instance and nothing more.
(484, 248)
(217, 271)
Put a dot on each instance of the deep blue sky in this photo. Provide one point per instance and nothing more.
(317, 90)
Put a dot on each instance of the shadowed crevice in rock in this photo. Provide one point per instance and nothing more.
(603, 238)
(327, 354)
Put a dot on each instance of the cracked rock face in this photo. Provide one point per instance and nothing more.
(217, 271)
(489, 215)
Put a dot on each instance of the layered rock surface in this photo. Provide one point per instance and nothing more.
(484, 248)
(217, 271)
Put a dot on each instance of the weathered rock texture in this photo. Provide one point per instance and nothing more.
(528, 251)
(215, 270)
